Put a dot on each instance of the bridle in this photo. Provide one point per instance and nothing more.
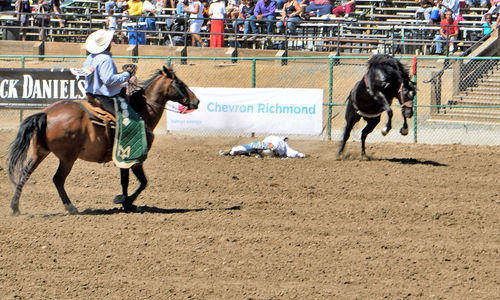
(181, 109)
(407, 103)
(176, 87)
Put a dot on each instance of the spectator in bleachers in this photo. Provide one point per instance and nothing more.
(111, 20)
(149, 11)
(123, 20)
(345, 8)
(171, 3)
(42, 19)
(125, 13)
(135, 8)
(318, 8)
(447, 31)
(425, 9)
(56, 6)
(195, 10)
(160, 5)
(264, 12)
(495, 4)
(178, 25)
(280, 3)
(245, 11)
(179, 9)
(290, 16)
(447, 5)
(495, 26)
(217, 12)
(113, 5)
(487, 26)
(233, 8)
(476, 3)
(180, 21)
(206, 14)
(23, 10)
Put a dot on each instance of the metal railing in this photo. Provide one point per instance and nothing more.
(328, 35)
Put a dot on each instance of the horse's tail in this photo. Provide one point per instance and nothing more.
(19, 147)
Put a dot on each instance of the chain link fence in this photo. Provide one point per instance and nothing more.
(458, 99)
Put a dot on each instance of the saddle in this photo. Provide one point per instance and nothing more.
(97, 114)
(100, 117)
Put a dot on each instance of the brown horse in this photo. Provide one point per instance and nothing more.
(65, 129)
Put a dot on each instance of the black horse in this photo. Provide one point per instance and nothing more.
(386, 78)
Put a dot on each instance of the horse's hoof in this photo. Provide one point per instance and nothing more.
(16, 212)
(384, 131)
(129, 207)
(72, 210)
(403, 131)
(365, 157)
(119, 199)
(340, 156)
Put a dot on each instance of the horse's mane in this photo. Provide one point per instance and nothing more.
(158, 72)
(389, 64)
(146, 83)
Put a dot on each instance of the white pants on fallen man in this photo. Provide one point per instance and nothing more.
(270, 146)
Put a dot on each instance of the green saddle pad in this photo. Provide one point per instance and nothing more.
(130, 146)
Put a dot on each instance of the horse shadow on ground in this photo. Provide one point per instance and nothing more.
(403, 161)
(413, 161)
(151, 209)
(141, 210)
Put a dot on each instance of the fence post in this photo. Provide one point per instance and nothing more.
(253, 73)
(330, 97)
(415, 112)
(253, 84)
(21, 111)
(184, 48)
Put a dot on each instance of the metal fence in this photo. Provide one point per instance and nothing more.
(457, 102)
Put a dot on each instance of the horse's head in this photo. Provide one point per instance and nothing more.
(176, 90)
(407, 92)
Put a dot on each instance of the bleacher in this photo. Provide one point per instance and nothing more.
(389, 26)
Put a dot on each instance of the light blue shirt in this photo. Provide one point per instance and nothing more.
(105, 80)
(179, 10)
(454, 6)
(486, 28)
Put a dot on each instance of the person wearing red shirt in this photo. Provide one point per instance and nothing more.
(448, 31)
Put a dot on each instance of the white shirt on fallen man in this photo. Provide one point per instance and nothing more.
(270, 146)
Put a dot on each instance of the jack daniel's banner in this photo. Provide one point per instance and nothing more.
(40, 86)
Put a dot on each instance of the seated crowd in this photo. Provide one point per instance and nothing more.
(448, 14)
(246, 16)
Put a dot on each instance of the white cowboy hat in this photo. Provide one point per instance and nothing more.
(99, 41)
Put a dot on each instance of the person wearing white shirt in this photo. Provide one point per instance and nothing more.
(217, 11)
(195, 9)
(276, 146)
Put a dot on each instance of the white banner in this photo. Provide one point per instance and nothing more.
(279, 111)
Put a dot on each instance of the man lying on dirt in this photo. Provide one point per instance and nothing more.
(275, 146)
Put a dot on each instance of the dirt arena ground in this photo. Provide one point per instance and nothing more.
(417, 221)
